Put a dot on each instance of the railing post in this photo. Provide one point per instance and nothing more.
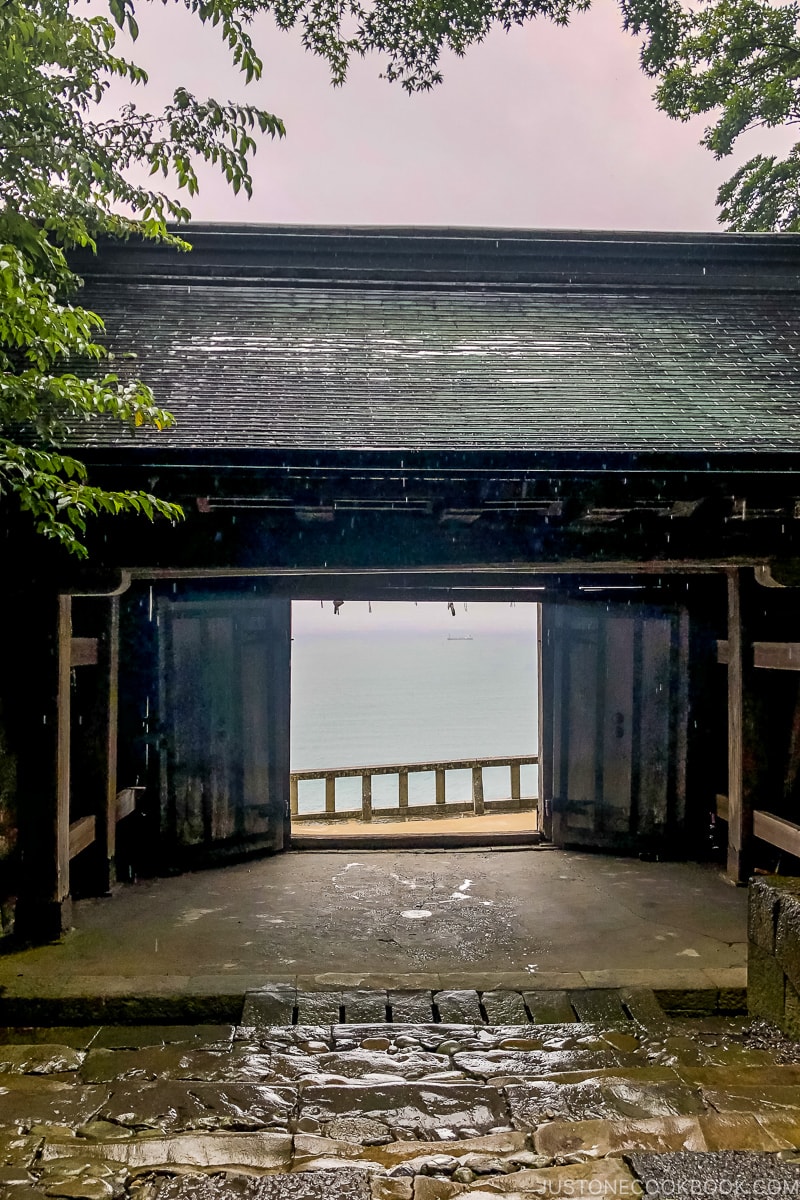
(516, 787)
(294, 797)
(330, 793)
(402, 789)
(440, 796)
(477, 790)
(366, 797)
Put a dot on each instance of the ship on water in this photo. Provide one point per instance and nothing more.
(459, 637)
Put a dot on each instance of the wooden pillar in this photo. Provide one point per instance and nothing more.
(477, 791)
(40, 662)
(108, 665)
(294, 795)
(545, 670)
(741, 774)
(330, 793)
(440, 786)
(366, 797)
(402, 789)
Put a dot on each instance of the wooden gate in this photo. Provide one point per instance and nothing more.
(225, 705)
(614, 726)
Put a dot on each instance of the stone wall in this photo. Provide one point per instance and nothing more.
(773, 967)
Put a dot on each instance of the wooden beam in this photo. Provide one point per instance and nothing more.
(126, 802)
(740, 757)
(777, 656)
(722, 807)
(82, 833)
(770, 656)
(777, 831)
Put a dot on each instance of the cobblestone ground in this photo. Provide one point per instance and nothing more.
(598, 1094)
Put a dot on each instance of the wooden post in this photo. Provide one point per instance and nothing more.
(516, 785)
(294, 797)
(40, 664)
(402, 789)
(366, 797)
(440, 793)
(740, 756)
(330, 793)
(109, 700)
(477, 790)
(545, 670)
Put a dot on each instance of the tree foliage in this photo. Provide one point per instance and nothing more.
(739, 61)
(67, 177)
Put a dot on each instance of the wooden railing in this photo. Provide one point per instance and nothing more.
(403, 811)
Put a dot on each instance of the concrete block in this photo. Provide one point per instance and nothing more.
(765, 986)
(787, 935)
(791, 1012)
(762, 913)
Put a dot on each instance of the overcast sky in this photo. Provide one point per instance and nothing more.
(356, 616)
(542, 127)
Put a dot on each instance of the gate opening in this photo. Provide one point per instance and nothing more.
(414, 718)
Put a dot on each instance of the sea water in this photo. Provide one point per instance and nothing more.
(363, 697)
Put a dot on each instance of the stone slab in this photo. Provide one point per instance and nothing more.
(133, 1037)
(598, 1139)
(156, 1062)
(344, 1184)
(787, 931)
(40, 1059)
(504, 1008)
(362, 1006)
(271, 1005)
(650, 1092)
(45, 1102)
(319, 1008)
(259, 1151)
(550, 1007)
(643, 1007)
(411, 1006)
(414, 1107)
(172, 1106)
(600, 1005)
(79, 1037)
(458, 1007)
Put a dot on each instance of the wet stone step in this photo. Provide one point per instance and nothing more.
(413, 1109)
(361, 1007)
(637, 1094)
(319, 1008)
(602, 1005)
(173, 1106)
(504, 1008)
(411, 1007)
(549, 1008)
(458, 1007)
(643, 1007)
(272, 1005)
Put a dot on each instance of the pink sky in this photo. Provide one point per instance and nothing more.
(542, 127)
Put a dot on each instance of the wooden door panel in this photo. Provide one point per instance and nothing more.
(614, 697)
(225, 717)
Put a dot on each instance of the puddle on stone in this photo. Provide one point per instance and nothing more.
(416, 914)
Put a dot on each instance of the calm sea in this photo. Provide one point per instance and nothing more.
(378, 697)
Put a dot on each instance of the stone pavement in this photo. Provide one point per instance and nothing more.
(589, 1094)
(391, 919)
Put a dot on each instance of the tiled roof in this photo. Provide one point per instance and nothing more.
(366, 365)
